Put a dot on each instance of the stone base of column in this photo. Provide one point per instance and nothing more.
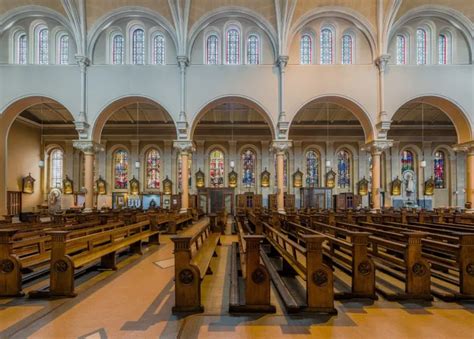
(282, 211)
(183, 210)
(374, 210)
(87, 210)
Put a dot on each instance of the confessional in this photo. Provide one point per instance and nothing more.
(213, 200)
(316, 197)
(248, 200)
(289, 201)
(344, 201)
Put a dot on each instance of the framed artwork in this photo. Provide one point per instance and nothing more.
(298, 179)
(68, 186)
(200, 179)
(167, 186)
(134, 186)
(101, 186)
(363, 186)
(396, 187)
(265, 178)
(233, 179)
(28, 184)
(429, 186)
(331, 179)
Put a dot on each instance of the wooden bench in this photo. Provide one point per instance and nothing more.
(67, 254)
(192, 257)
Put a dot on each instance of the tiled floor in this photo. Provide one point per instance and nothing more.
(136, 301)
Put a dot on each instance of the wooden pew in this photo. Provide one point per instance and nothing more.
(67, 255)
(192, 257)
(308, 264)
(255, 276)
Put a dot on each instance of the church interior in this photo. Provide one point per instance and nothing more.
(236, 168)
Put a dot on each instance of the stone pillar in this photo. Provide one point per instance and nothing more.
(89, 148)
(280, 147)
(185, 148)
(470, 178)
(376, 148)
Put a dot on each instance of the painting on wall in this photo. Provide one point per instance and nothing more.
(233, 179)
(28, 184)
(68, 186)
(429, 186)
(199, 179)
(167, 186)
(330, 179)
(363, 186)
(101, 186)
(396, 187)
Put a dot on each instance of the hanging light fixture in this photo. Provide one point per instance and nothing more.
(328, 162)
(137, 162)
(423, 161)
(41, 161)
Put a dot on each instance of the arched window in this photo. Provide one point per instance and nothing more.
(158, 50)
(443, 49)
(138, 47)
(63, 50)
(253, 50)
(326, 46)
(408, 161)
(347, 49)
(439, 170)
(43, 46)
(21, 49)
(118, 50)
(312, 169)
(120, 168)
(180, 171)
(401, 50)
(421, 46)
(56, 168)
(212, 50)
(233, 46)
(306, 50)
(153, 169)
(343, 169)
(248, 168)
(216, 169)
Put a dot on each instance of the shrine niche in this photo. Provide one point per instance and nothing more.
(101, 186)
(167, 186)
(396, 187)
(134, 186)
(68, 186)
(265, 178)
(429, 186)
(233, 179)
(200, 179)
(331, 179)
(28, 184)
(298, 179)
(363, 186)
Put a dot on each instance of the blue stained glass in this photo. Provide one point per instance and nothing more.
(153, 169)
(343, 169)
(312, 169)
(407, 161)
(439, 170)
(248, 168)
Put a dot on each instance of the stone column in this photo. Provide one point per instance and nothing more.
(280, 147)
(376, 148)
(185, 148)
(89, 148)
(470, 177)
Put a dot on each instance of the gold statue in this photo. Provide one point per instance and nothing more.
(28, 184)
(68, 186)
(101, 186)
(199, 179)
(429, 186)
(265, 178)
(363, 186)
(298, 179)
(233, 179)
(331, 179)
(134, 186)
(396, 187)
(167, 186)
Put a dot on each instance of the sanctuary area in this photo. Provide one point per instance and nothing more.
(237, 169)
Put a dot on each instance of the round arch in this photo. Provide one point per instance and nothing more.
(453, 111)
(232, 99)
(114, 106)
(347, 103)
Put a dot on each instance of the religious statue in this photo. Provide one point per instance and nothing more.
(298, 179)
(396, 187)
(199, 179)
(100, 185)
(28, 184)
(330, 179)
(363, 186)
(134, 186)
(265, 178)
(429, 186)
(233, 179)
(68, 186)
(152, 204)
(167, 186)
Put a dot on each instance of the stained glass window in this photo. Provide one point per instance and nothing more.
(306, 50)
(421, 48)
(153, 164)
(347, 49)
(401, 50)
(64, 49)
(118, 50)
(159, 49)
(216, 169)
(443, 49)
(326, 46)
(312, 169)
(180, 171)
(248, 168)
(56, 168)
(439, 170)
(233, 47)
(212, 50)
(120, 169)
(43, 46)
(253, 50)
(138, 47)
(407, 161)
(21, 51)
(343, 169)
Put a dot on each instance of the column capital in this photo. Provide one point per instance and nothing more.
(183, 61)
(280, 146)
(377, 146)
(184, 146)
(282, 61)
(82, 61)
(467, 147)
(382, 62)
(88, 146)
